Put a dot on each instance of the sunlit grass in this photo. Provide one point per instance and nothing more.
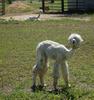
(18, 41)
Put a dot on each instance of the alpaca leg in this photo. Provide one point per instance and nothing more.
(34, 75)
(41, 76)
(43, 72)
(65, 73)
(37, 70)
(55, 75)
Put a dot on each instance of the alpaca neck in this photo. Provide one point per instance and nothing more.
(70, 52)
(38, 15)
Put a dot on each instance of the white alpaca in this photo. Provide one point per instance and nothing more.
(60, 54)
(36, 17)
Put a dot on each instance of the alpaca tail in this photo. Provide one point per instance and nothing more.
(41, 58)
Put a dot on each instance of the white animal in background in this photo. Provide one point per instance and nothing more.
(36, 17)
(60, 54)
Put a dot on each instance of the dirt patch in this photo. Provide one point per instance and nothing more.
(18, 6)
(45, 17)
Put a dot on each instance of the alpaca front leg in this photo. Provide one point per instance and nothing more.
(65, 73)
(55, 75)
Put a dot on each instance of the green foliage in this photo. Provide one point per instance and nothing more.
(18, 41)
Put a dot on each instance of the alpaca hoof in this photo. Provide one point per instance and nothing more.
(69, 85)
(40, 87)
(33, 88)
(45, 85)
(54, 90)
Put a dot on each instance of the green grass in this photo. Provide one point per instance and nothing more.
(18, 41)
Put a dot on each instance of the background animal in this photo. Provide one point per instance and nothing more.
(36, 17)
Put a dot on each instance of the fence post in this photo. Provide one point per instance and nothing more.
(43, 6)
(62, 5)
(2, 8)
(76, 5)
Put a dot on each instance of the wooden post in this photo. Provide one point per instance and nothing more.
(3, 7)
(43, 6)
(52, 1)
(62, 5)
(76, 5)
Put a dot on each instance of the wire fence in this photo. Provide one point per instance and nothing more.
(63, 6)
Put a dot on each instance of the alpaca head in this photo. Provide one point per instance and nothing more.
(75, 40)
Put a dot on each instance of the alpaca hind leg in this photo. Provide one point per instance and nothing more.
(43, 72)
(55, 75)
(34, 75)
(65, 73)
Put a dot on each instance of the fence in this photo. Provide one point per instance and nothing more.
(49, 7)
(74, 5)
(61, 6)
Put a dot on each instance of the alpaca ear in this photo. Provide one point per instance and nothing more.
(82, 40)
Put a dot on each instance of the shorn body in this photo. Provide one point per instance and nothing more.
(60, 54)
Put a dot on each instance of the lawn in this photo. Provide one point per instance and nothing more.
(18, 42)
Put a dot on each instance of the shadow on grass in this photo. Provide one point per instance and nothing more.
(64, 93)
(67, 94)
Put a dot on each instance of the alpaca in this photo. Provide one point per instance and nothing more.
(60, 54)
(36, 17)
